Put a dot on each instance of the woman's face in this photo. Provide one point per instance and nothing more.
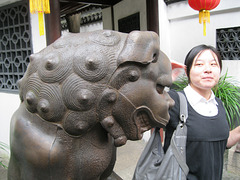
(205, 71)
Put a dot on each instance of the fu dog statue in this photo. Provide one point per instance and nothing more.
(83, 96)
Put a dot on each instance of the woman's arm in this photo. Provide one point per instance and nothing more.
(234, 137)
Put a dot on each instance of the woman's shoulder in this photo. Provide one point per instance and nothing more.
(174, 94)
(175, 110)
(220, 103)
(218, 100)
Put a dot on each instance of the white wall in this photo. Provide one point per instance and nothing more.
(107, 18)
(164, 27)
(10, 102)
(92, 27)
(38, 42)
(180, 29)
(88, 27)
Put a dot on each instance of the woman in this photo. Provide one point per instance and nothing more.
(208, 130)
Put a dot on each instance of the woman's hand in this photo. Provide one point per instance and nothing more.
(234, 137)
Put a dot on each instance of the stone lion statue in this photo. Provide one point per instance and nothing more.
(83, 96)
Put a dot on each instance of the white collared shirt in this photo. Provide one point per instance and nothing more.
(200, 104)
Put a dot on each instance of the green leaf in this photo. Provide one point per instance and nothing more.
(5, 148)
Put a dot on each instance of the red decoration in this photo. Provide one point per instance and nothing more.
(204, 7)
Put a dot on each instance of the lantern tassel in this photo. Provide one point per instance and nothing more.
(40, 23)
(40, 7)
(46, 6)
(204, 17)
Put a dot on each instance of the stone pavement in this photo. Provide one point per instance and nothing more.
(231, 169)
(128, 155)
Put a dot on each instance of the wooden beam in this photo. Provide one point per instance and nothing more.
(53, 22)
(95, 2)
(69, 9)
(152, 16)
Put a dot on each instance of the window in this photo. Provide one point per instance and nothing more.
(228, 43)
(15, 44)
(129, 23)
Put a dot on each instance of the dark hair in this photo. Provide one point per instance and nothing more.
(194, 52)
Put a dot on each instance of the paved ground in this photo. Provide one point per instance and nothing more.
(231, 169)
(230, 176)
(128, 155)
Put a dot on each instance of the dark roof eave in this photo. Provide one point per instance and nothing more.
(96, 2)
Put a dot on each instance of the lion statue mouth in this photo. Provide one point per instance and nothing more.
(145, 120)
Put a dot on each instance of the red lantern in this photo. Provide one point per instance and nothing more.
(204, 7)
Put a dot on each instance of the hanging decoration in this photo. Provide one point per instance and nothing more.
(204, 7)
(40, 7)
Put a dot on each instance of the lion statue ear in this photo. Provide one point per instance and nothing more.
(140, 46)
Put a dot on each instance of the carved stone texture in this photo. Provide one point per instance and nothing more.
(83, 96)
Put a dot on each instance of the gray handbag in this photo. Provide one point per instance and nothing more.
(153, 164)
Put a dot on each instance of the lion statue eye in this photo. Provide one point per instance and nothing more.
(133, 75)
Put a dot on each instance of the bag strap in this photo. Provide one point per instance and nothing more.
(179, 157)
(183, 107)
